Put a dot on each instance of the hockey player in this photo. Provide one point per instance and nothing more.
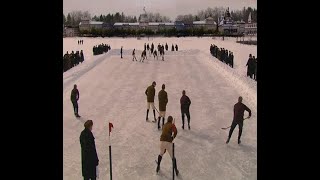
(163, 101)
(172, 48)
(166, 139)
(121, 52)
(143, 55)
(166, 47)
(150, 93)
(176, 47)
(155, 54)
(74, 99)
(238, 112)
(134, 55)
(162, 50)
(185, 105)
(151, 49)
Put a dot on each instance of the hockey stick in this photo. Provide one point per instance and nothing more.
(156, 109)
(230, 126)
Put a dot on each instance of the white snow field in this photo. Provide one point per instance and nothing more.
(112, 89)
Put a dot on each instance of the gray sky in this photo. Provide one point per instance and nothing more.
(170, 8)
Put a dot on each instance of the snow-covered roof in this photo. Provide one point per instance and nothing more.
(118, 24)
(203, 23)
(125, 24)
(199, 22)
(154, 24)
(96, 22)
(160, 23)
(134, 24)
(93, 22)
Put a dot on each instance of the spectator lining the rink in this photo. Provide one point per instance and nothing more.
(227, 57)
(72, 60)
(101, 48)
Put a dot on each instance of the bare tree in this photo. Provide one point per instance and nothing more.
(76, 17)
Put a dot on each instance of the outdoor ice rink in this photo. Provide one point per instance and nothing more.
(112, 89)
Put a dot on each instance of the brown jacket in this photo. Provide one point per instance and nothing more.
(163, 100)
(150, 92)
(167, 130)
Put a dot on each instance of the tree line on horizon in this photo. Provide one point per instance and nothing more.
(74, 18)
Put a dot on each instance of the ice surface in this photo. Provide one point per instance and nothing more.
(112, 89)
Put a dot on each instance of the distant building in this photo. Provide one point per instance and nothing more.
(158, 26)
(250, 27)
(229, 27)
(126, 26)
(144, 24)
(87, 24)
(70, 31)
(226, 25)
(207, 24)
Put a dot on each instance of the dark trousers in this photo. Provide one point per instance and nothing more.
(185, 112)
(233, 125)
(75, 106)
(87, 178)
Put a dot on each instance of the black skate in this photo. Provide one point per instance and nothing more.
(177, 172)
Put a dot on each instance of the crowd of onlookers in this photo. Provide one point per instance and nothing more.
(72, 59)
(222, 54)
(252, 67)
(101, 48)
(227, 57)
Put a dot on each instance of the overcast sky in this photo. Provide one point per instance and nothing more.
(170, 8)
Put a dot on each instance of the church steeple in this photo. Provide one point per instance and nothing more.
(249, 18)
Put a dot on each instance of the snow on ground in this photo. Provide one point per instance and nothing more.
(112, 89)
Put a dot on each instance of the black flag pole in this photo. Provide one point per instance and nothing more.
(110, 157)
(173, 155)
(173, 161)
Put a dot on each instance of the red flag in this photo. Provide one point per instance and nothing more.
(110, 126)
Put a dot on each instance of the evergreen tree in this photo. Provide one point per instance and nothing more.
(69, 20)
(64, 19)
